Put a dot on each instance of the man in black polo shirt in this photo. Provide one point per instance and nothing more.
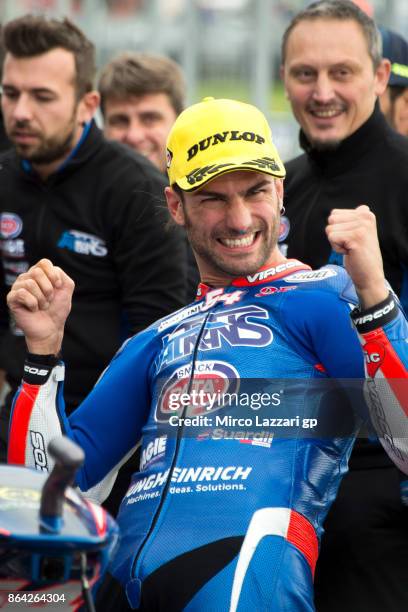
(333, 73)
(93, 207)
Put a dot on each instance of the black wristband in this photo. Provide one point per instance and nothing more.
(37, 368)
(376, 316)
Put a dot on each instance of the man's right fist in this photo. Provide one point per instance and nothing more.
(40, 302)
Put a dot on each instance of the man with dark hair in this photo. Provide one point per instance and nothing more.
(394, 100)
(93, 206)
(141, 96)
(333, 73)
(226, 511)
(29, 36)
(4, 141)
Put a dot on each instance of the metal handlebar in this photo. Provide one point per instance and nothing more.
(68, 458)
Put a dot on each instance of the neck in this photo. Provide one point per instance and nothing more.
(45, 170)
(218, 279)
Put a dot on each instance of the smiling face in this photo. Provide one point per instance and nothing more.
(330, 79)
(143, 123)
(232, 224)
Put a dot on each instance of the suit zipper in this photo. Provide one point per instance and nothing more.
(175, 456)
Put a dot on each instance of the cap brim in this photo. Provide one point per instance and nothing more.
(200, 176)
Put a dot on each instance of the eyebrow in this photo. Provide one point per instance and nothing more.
(304, 65)
(150, 113)
(218, 194)
(118, 116)
(36, 90)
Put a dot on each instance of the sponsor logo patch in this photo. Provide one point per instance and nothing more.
(264, 274)
(83, 243)
(215, 139)
(153, 452)
(270, 290)
(378, 314)
(309, 276)
(374, 353)
(262, 438)
(201, 479)
(12, 248)
(18, 267)
(212, 379)
(12, 269)
(10, 225)
(233, 326)
(263, 163)
(38, 446)
(36, 371)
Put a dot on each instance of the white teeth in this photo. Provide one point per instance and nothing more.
(238, 242)
(326, 113)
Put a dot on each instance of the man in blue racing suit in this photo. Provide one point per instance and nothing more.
(247, 401)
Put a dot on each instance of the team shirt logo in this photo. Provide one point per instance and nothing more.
(10, 225)
(83, 243)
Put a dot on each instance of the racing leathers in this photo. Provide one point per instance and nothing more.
(246, 405)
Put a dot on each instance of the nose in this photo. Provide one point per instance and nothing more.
(323, 90)
(22, 108)
(135, 134)
(239, 217)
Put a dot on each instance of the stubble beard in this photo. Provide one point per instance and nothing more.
(51, 149)
(230, 267)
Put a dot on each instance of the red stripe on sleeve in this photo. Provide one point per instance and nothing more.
(381, 355)
(20, 422)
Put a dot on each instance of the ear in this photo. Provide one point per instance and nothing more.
(175, 206)
(282, 78)
(87, 106)
(282, 73)
(382, 75)
(279, 189)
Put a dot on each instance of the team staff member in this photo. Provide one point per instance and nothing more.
(141, 97)
(351, 154)
(211, 523)
(93, 206)
(394, 100)
(4, 141)
(333, 74)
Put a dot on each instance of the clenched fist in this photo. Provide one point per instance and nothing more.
(40, 302)
(353, 233)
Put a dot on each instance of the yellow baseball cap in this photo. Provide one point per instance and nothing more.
(218, 136)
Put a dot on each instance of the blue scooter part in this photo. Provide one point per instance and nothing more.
(52, 540)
